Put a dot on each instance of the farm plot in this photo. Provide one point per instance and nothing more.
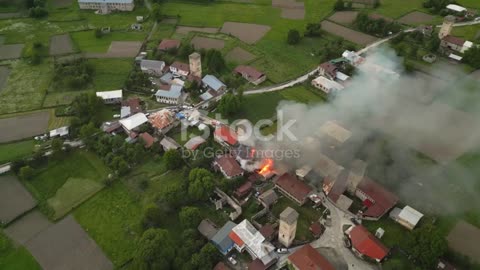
(61, 44)
(14, 199)
(65, 245)
(27, 227)
(464, 239)
(416, 17)
(246, 32)
(23, 126)
(119, 49)
(239, 55)
(184, 30)
(291, 9)
(343, 17)
(347, 33)
(11, 51)
(62, 3)
(207, 43)
(377, 16)
(4, 72)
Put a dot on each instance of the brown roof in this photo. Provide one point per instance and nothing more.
(339, 186)
(454, 40)
(221, 266)
(229, 165)
(134, 104)
(383, 200)
(167, 44)
(244, 189)
(267, 230)
(293, 186)
(308, 258)
(316, 228)
(249, 71)
(256, 265)
(147, 139)
(161, 119)
(180, 66)
(329, 68)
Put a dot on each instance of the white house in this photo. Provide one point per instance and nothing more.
(456, 8)
(106, 6)
(180, 69)
(326, 85)
(407, 217)
(169, 94)
(352, 57)
(61, 132)
(152, 67)
(111, 97)
(132, 122)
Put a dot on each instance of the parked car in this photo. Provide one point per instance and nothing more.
(282, 250)
(232, 260)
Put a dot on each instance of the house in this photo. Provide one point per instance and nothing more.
(407, 217)
(328, 70)
(326, 167)
(456, 8)
(224, 135)
(169, 94)
(333, 133)
(366, 244)
(250, 74)
(268, 198)
(376, 198)
(168, 143)
(106, 6)
(352, 57)
(308, 258)
(131, 123)
(147, 139)
(111, 127)
(162, 120)
(129, 107)
(111, 97)
(335, 187)
(180, 69)
(194, 143)
(452, 43)
(152, 67)
(243, 190)
(60, 132)
(293, 188)
(207, 228)
(222, 239)
(228, 166)
(211, 82)
(327, 86)
(168, 44)
(246, 237)
(268, 231)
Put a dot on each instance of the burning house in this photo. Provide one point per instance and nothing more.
(228, 166)
(293, 188)
(375, 198)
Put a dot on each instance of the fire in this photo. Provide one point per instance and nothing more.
(267, 167)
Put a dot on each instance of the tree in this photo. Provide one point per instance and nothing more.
(313, 30)
(185, 50)
(214, 61)
(189, 217)
(472, 57)
(152, 216)
(26, 173)
(173, 159)
(229, 104)
(155, 250)
(426, 245)
(156, 12)
(98, 33)
(201, 184)
(57, 145)
(293, 37)
(206, 258)
(339, 5)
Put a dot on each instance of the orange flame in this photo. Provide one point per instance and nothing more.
(267, 167)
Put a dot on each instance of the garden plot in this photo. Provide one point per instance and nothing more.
(344, 17)
(4, 72)
(184, 30)
(62, 3)
(347, 33)
(377, 16)
(119, 49)
(246, 32)
(65, 245)
(23, 126)
(207, 43)
(15, 200)
(61, 44)
(416, 17)
(169, 21)
(27, 227)
(239, 55)
(291, 9)
(464, 239)
(11, 51)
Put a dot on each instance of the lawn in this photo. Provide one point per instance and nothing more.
(112, 219)
(469, 3)
(87, 42)
(16, 150)
(26, 86)
(397, 8)
(13, 257)
(57, 122)
(467, 32)
(110, 74)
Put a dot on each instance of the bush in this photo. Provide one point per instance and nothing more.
(293, 37)
(26, 173)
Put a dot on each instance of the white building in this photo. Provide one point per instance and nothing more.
(456, 8)
(61, 132)
(152, 67)
(326, 85)
(111, 97)
(132, 122)
(352, 57)
(180, 69)
(169, 94)
(407, 217)
(106, 6)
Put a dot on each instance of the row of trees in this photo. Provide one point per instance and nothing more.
(379, 27)
(472, 57)
(75, 74)
(36, 8)
(311, 30)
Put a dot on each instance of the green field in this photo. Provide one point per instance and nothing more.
(469, 3)
(467, 32)
(12, 257)
(110, 74)
(87, 42)
(398, 8)
(112, 219)
(13, 151)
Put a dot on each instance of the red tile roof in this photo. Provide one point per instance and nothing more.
(329, 68)
(316, 228)
(161, 119)
(383, 200)
(454, 40)
(308, 258)
(229, 165)
(147, 139)
(367, 244)
(244, 189)
(134, 104)
(296, 188)
(226, 134)
(236, 239)
(249, 71)
(181, 66)
(167, 44)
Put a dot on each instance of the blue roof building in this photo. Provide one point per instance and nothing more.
(221, 239)
(213, 83)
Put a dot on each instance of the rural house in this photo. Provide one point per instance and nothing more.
(180, 69)
(162, 120)
(224, 135)
(211, 82)
(194, 142)
(221, 239)
(111, 97)
(307, 258)
(131, 123)
(152, 67)
(328, 70)
(207, 228)
(228, 166)
(327, 86)
(376, 198)
(268, 198)
(60, 132)
(333, 133)
(366, 244)
(250, 74)
(293, 188)
(168, 44)
(407, 217)
(452, 43)
(169, 94)
(107, 6)
(129, 107)
(243, 190)
(168, 143)
(147, 139)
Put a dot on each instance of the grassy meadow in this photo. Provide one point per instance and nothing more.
(15, 257)
(16, 150)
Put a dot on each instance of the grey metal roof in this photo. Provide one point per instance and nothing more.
(174, 92)
(213, 82)
(289, 215)
(221, 238)
(152, 64)
(167, 77)
(207, 228)
(268, 197)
